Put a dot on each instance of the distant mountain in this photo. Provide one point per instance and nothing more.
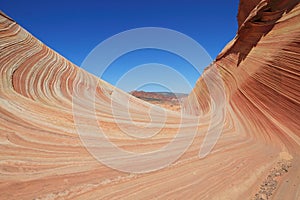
(159, 96)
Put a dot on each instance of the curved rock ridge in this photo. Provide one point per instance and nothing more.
(256, 156)
(260, 71)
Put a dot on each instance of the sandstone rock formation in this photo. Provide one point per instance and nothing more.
(256, 156)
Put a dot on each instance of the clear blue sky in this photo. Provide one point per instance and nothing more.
(74, 28)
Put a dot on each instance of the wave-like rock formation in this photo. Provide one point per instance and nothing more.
(43, 156)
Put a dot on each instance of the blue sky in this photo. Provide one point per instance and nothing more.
(74, 28)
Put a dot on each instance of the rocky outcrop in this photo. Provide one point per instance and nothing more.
(159, 96)
(260, 72)
(43, 156)
(168, 100)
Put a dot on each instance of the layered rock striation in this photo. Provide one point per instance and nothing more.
(43, 156)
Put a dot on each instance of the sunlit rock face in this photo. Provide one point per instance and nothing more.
(251, 92)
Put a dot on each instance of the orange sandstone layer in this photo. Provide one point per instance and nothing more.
(42, 156)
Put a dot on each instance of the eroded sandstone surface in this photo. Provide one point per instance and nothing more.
(43, 157)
